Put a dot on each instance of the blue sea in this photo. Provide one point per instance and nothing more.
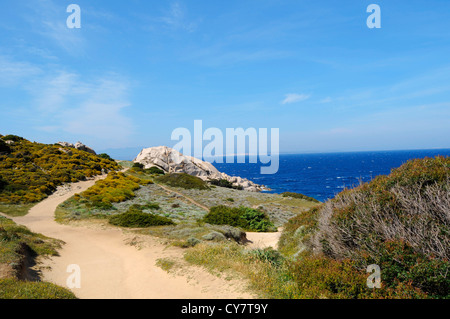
(324, 175)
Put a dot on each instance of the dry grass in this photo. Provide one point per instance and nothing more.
(358, 221)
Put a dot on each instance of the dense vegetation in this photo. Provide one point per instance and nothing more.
(183, 180)
(225, 183)
(17, 243)
(400, 222)
(135, 217)
(299, 196)
(139, 168)
(29, 172)
(246, 218)
(116, 187)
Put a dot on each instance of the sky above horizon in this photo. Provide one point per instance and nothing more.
(138, 69)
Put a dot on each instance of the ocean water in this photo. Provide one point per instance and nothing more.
(324, 175)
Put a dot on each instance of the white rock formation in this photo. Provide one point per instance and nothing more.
(172, 161)
(79, 146)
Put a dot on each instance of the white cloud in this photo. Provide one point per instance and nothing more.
(326, 100)
(85, 109)
(176, 18)
(294, 98)
(48, 20)
(13, 72)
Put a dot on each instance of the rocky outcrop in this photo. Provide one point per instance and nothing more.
(172, 161)
(79, 146)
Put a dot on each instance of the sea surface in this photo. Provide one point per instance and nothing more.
(324, 175)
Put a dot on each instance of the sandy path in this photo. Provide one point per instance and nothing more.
(264, 240)
(111, 268)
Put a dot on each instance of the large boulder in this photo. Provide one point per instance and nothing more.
(172, 161)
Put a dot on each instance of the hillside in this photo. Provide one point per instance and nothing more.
(31, 171)
(400, 222)
(19, 249)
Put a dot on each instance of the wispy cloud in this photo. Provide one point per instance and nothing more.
(294, 98)
(13, 72)
(49, 21)
(85, 108)
(176, 17)
(326, 100)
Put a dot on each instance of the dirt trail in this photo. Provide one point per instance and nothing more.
(111, 268)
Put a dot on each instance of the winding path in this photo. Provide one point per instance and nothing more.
(111, 267)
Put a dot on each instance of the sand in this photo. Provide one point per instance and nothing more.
(111, 266)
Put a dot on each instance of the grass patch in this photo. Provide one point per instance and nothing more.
(15, 210)
(13, 237)
(14, 241)
(165, 264)
(11, 288)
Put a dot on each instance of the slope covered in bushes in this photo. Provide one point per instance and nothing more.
(31, 171)
(400, 222)
(19, 247)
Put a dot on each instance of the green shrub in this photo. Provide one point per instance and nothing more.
(13, 138)
(321, 277)
(3, 183)
(138, 165)
(154, 170)
(183, 180)
(243, 217)
(224, 183)
(4, 148)
(400, 263)
(105, 156)
(269, 255)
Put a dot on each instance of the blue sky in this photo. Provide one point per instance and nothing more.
(138, 69)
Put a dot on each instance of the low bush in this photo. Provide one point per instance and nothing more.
(105, 156)
(224, 183)
(13, 138)
(154, 170)
(246, 218)
(138, 165)
(4, 148)
(183, 180)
